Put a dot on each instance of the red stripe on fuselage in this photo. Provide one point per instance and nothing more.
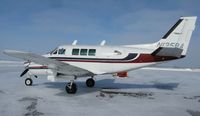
(147, 58)
(143, 58)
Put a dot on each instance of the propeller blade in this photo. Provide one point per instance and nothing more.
(24, 72)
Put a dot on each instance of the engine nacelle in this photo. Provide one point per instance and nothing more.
(121, 74)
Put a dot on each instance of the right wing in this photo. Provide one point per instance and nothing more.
(57, 66)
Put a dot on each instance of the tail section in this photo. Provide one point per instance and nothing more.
(176, 41)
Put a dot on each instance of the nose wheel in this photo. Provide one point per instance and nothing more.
(28, 81)
(90, 82)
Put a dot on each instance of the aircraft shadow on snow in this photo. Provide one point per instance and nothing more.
(108, 84)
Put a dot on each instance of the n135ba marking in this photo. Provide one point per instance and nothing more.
(74, 61)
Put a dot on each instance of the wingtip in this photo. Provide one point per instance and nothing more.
(10, 52)
(189, 17)
(7, 51)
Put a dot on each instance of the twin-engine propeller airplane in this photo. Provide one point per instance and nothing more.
(74, 61)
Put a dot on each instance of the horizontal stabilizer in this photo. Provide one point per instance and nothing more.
(162, 51)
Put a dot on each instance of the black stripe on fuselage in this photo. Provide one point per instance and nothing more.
(172, 29)
(130, 56)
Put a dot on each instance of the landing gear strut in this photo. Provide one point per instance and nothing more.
(71, 87)
(90, 82)
(28, 81)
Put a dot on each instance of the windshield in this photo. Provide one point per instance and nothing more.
(54, 51)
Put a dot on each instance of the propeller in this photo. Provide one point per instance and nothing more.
(26, 68)
(24, 72)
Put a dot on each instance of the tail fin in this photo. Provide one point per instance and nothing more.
(177, 38)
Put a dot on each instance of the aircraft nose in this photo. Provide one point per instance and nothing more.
(27, 63)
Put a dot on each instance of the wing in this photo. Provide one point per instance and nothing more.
(57, 66)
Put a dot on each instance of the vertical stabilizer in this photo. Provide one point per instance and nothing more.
(179, 35)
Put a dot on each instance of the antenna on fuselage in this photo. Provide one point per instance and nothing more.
(103, 43)
(74, 42)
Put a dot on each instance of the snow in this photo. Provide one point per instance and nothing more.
(144, 92)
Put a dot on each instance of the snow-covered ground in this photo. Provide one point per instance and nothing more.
(145, 93)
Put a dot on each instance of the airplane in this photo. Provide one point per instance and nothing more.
(75, 61)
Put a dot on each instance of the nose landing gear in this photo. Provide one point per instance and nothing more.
(28, 81)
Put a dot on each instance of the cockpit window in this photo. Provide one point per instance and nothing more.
(61, 51)
(55, 52)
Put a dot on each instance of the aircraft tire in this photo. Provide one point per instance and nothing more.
(28, 81)
(71, 90)
(90, 82)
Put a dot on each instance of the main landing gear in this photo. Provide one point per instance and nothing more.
(90, 82)
(71, 87)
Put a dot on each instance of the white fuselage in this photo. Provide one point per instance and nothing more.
(105, 60)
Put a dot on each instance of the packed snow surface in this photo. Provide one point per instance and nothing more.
(146, 92)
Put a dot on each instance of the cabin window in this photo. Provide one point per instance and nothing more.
(84, 52)
(75, 52)
(92, 52)
(61, 51)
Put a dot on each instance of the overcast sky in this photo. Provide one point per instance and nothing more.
(41, 25)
